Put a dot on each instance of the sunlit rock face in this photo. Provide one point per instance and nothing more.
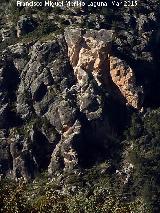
(90, 52)
(123, 77)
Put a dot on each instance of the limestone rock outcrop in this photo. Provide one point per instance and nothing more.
(124, 78)
(60, 102)
(90, 52)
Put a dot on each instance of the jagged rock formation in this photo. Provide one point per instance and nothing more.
(57, 101)
(64, 102)
(124, 78)
(90, 52)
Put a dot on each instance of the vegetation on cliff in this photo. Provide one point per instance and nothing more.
(80, 109)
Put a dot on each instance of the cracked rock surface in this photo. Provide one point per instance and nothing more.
(60, 100)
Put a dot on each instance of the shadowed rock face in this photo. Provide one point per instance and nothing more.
(25, 25)
(69, 97)
(9, 80)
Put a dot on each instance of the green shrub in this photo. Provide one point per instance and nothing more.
(54, 195)
(144, 135)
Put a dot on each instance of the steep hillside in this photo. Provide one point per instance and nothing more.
(79, 101)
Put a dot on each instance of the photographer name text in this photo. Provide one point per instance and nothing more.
(77, 3)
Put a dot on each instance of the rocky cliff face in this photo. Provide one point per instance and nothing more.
(90, 52)
(64, 101)
(54, 108)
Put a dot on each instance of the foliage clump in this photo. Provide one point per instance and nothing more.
(144, 138)
(85, 191)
